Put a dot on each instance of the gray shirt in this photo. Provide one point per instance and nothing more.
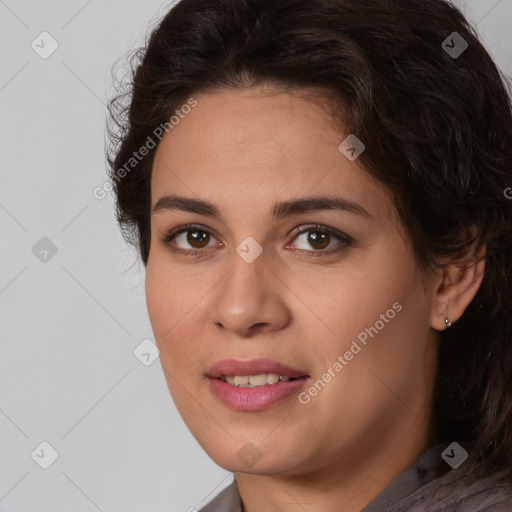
(425, 487)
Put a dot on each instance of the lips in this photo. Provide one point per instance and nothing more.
(230, 367)
(259, 397)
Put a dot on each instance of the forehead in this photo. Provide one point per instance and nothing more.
(252, 145)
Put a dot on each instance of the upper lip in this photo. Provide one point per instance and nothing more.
(229, 367)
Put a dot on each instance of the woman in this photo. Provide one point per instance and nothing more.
(320, 193)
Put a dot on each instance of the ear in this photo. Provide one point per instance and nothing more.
(456, 288)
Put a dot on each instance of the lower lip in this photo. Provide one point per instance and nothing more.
(257, 398)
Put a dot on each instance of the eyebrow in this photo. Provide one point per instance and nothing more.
(279, 211)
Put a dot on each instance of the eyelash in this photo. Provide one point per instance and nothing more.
(342, 237)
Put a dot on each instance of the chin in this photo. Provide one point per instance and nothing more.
(246, 456)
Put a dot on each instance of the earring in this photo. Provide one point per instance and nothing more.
(448, 322)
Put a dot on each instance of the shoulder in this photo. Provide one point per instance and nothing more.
(227, 500)
(452, 493)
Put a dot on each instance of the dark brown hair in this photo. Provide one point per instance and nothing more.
(438, 134)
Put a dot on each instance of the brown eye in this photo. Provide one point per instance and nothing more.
(196, 237)
(319, 238)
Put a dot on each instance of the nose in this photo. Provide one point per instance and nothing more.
(250, 299)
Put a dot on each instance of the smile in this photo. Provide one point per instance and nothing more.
(252, 381)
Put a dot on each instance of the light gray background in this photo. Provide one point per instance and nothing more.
(69, 326)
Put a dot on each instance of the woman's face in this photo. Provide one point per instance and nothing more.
(341, 318)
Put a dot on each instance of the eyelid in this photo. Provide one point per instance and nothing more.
(170, 235)
(320, 227)
(304, 228)
(187, 227)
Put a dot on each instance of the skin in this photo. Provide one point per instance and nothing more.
(245, 150)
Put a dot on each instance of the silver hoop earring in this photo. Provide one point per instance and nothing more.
(448, 322)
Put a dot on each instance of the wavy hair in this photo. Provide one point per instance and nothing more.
(438, 134)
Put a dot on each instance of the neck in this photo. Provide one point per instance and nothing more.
(349, 483)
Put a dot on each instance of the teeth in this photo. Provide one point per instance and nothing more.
(252, 381)
(272, 378)
(241, 380)
(258, 380)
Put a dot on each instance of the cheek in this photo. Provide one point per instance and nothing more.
(168, 296)
(379, 318)
(173, 310)
(159, 301)
(164, 299)
(368, 289)
(378, 315)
